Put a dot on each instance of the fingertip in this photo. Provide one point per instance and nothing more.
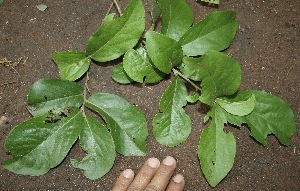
(153, 162)
(177, 183)
(124, 180)
(169, 161)
(128, 173)
(178, 179)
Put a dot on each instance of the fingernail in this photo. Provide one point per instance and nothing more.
(153, 162)
(128, 173)
(169, 161)
(178, 178)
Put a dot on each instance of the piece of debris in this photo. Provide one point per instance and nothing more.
(3, 119)
(42, 7)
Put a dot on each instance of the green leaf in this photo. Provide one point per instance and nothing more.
(119, 35)
(37, 145)
(240, 105)
(126, 123)
(164, 52)
(215, 32)
(216, 150)
(53, 95)
(190, 68)
(172, 125)
(155, 11)
(71, 65)
(99, 145)
(220, 74)
(177, 18)
(138, 67)
(119, 75)
(1, 1)
(193, 98)
(107, 20)
(271, 115)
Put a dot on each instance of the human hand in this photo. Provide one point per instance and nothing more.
(153, 176)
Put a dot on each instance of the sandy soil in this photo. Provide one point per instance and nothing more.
(266, 45)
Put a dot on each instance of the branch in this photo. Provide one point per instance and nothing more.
(176, 72)
(118, 7)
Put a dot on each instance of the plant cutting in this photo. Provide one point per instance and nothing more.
(190, 52)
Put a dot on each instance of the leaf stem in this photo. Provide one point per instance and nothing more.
(176, 72)
(86, 89)
(118, 7)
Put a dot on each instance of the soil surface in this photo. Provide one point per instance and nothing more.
(266, 46)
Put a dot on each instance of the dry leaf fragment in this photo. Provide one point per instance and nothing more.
(42, 7)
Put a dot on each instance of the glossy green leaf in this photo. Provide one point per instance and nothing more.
(164, 52)
(220, 74)
(215, 32)
(99, 145)
(138, 67)
(238, 105)
(172, 125)
(216, 150)
(119, 35)
(177, 18)
(1, 1)
(119, 75)
(126, 123)
(39, 144)
(71, 65)
(190, 68)
(53, 95)
(271, 115)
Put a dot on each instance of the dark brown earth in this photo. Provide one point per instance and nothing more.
(266, 45)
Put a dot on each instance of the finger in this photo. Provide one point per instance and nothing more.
(176, 184)
(145, 175)
(163, 175)
(124, 180)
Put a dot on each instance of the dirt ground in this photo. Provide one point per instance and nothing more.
(266, 45)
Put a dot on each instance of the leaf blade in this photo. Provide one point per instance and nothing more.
(242, 104)
(71, 65)
(127, 124)
(215, 32)
(138, 67)
(172, 125)
(119, 35)
(119, 75)
(177, 17)
(216, 150)
(53, 95)
(220, 74)
(271, 115)
(38, 146)
(164, 52)
(100, 148)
